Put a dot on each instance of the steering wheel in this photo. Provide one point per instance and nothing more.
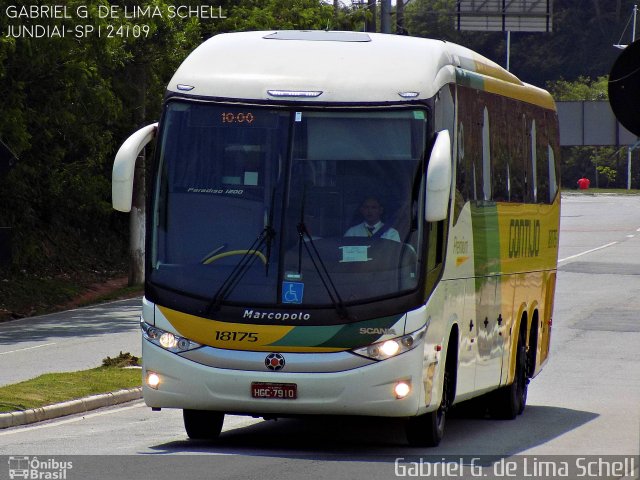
(258, 254)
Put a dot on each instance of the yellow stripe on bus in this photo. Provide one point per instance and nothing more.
(235, 336)
(525, 93)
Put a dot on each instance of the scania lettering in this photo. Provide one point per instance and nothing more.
(377, 331)
(273, 152)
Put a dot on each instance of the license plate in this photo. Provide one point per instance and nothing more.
(278, 391)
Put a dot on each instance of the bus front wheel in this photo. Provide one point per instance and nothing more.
(428, 429)
(203, 424)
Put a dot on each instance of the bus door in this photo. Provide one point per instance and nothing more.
(468, 348)
(487, 327)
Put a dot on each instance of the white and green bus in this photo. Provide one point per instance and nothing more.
(266, 296)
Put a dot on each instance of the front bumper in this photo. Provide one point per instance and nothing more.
(366, 390)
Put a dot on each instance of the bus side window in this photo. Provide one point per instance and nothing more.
(553, 182)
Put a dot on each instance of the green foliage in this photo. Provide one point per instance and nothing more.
(279, 14)
(583, 88)
(432, 18)
(580, 43)
(121, 361)
(608, 173)
(68, 103)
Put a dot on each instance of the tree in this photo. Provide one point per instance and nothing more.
(55, 102)
(580, 43)
(67, 103)
(279, 14)
(140, 82)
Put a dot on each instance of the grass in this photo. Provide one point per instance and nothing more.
(54, 388)
(25, 294)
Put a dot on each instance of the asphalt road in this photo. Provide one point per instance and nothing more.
(586, 402)
(68, 341)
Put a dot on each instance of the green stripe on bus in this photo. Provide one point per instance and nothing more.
(339, 336)
(469, 79)
(486, 239)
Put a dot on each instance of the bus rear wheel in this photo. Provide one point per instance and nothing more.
(509, 402)
(203, 424)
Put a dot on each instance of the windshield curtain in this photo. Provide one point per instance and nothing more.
(223, 216)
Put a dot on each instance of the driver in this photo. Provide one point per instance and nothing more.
(372, 226)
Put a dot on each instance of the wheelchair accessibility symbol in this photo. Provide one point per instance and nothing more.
(292, 292)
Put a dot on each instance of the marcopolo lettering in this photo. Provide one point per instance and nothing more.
(284, 316)
(524, 238)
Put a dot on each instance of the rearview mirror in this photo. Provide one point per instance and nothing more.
(124, 166)
(439, 179)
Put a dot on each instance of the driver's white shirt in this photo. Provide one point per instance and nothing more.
(361, 230)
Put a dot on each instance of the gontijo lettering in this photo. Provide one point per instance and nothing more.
(524, 238)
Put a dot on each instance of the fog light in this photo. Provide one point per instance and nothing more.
(153, 380)
(402, 389)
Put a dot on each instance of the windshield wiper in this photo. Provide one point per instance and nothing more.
(264, 239)
(240, 269)
(319, 266)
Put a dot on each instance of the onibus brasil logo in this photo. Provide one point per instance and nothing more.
(33, 468)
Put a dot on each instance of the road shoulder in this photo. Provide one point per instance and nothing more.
(81, 405)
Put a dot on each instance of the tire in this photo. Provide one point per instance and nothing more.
(203, 424)
(427, 430)
(509, 402)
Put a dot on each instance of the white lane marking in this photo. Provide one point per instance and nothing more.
(585, 253)
(27, 348)
(78, 418)
(630, 236)
(638, 230)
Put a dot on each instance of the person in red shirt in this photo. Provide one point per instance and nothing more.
(583, 183)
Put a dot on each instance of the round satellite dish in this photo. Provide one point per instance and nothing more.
(624, 88)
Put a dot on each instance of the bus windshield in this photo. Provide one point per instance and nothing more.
(266, 206)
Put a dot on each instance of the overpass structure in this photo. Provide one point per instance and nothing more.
(593, 123)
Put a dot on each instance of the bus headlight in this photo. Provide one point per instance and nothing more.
(391, 348)
(167, 340)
